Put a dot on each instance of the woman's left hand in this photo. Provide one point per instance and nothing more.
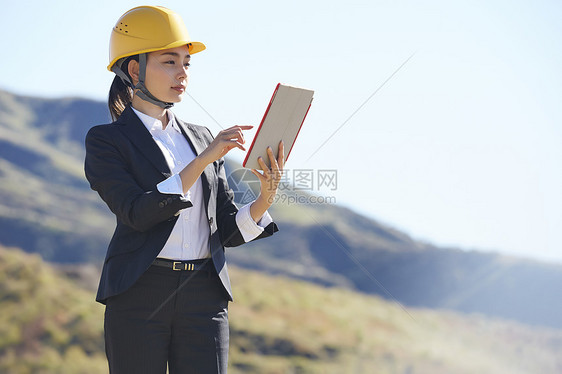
(271, 176)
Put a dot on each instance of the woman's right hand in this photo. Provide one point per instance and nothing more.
(220, 146)
(225, 141)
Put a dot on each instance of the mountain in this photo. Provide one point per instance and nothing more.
(334, 246)
(50, 325)
(46, 207)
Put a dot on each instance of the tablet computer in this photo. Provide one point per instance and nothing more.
(282, 120)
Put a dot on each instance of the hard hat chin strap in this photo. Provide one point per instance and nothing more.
(143, 92)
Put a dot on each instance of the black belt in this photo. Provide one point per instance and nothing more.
(204, 264)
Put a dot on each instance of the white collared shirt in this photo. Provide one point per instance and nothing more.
(189, 239)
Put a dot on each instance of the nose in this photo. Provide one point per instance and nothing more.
(182, 73)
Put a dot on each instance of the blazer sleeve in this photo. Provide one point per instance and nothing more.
(108, 171)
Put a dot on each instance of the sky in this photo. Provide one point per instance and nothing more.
(440, 118)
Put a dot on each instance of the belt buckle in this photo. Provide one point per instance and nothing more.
(186, 266)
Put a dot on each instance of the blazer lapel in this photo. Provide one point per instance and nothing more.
(191, 134)
(199, 145)
(135, 130)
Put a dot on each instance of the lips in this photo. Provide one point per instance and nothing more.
(180, 89)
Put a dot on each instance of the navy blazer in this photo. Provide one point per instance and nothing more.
(124, 165)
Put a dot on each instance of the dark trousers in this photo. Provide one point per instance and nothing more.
(174, 318)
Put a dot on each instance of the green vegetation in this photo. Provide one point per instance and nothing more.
(50, 324)
(47, 324)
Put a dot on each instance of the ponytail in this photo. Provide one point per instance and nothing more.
(120, 93)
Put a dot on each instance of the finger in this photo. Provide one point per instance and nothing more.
(241, 136)
(272, 161)
(261, 162)
(245, 127)
(241, 128)
(281, 155)
(238, 136)
(239, 145)
(238, 129)
(230, 145)
(232, 134)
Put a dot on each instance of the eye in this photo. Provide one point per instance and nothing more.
(171, 62)
(187, 64)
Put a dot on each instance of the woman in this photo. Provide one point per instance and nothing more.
(164, 281)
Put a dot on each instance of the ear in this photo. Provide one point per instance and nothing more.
(133, 70)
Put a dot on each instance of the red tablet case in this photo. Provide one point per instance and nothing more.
(261, 124)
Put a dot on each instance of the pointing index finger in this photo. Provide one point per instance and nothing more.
(245, 127)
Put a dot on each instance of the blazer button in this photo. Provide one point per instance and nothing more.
(162, 204)
(169, 200)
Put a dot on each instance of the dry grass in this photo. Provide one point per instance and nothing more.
(49, 324)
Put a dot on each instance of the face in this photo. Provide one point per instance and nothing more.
(167, 73)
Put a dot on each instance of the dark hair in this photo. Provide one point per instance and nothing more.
(120, 93)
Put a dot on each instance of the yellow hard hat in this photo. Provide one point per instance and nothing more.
(146, 29)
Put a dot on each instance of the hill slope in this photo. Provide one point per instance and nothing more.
(47, 324)
(46, 207)
(45, 203)
(278, 325)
